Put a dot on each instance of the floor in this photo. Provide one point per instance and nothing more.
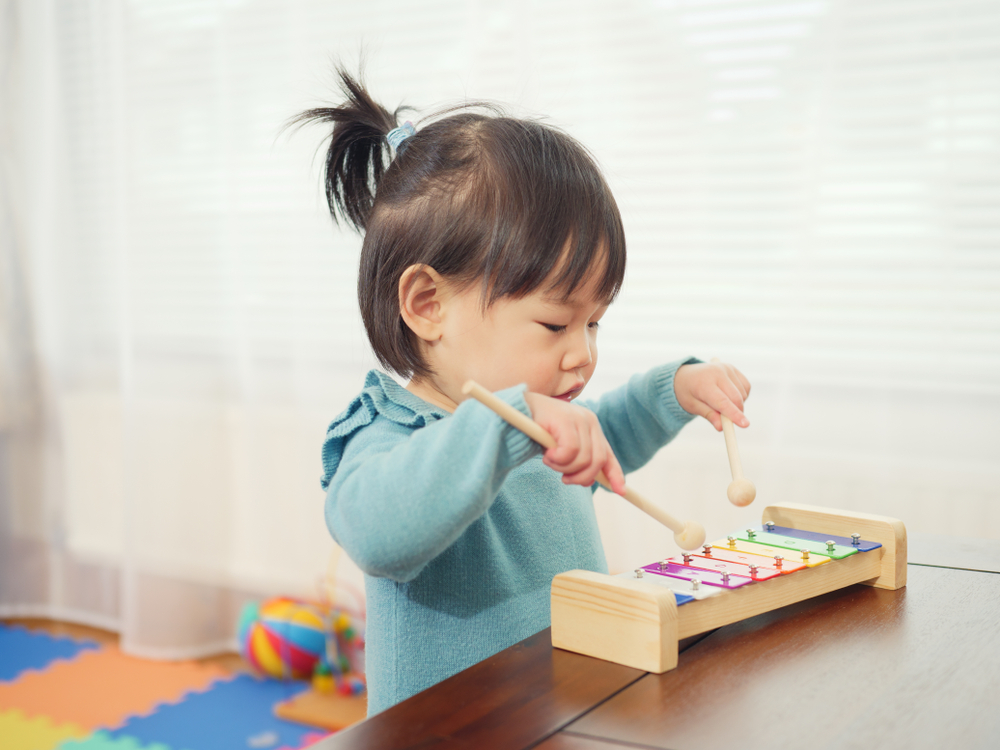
(231, 662)
(79, 692)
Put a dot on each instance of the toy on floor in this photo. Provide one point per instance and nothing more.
(288, 638)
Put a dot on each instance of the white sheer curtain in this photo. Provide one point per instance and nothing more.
(809, 189)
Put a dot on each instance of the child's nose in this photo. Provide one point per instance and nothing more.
(579, 353)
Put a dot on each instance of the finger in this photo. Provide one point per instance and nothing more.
(746, 384)
(727, 407)
(613, 471)
(740, 380)
(567, 445)
(733, 376)
(584, 457)
(586, 474)
(732, 392)
(577, 478)
(577, 453)
(704, 410)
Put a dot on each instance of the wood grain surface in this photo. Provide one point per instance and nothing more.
(864, 667)
(570, 741)
(511, 700)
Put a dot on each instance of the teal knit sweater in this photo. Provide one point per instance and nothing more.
(458, 525)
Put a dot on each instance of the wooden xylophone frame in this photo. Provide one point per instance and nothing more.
(638, 624)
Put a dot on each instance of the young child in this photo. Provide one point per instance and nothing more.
(492, 247)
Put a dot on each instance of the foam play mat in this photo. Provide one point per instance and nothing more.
(66, 694)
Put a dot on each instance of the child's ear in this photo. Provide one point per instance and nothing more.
(421, 293)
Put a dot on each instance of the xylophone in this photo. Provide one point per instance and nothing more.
(798, 552)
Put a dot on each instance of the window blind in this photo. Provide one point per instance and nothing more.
(810, 189)
(805, 184)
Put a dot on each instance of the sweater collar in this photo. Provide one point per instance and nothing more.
(398, 395)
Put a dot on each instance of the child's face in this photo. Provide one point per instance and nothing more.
(542, 340)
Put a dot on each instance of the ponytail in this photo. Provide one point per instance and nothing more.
(479, 196)
(358, 152)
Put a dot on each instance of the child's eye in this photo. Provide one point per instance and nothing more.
(554, 328)
(593, 325)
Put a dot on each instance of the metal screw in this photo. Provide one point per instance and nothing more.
(707, 549)
(663, 564)
(731, 540)
(751, 533)
(687, 559)
(777, 561)
(695, 584)
(753, 571)
(855, 539)
(638, 572)
(830, 544)
(805, 555)
(770, 525)
(725, 578)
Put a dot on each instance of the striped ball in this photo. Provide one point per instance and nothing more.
(283, 638)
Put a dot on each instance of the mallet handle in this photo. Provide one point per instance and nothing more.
(538, 433)
(731, 448)
(734, 452)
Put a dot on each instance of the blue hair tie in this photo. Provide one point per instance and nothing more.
(396, 136)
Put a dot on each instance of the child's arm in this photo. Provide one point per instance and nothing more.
(399, 497)
(648, 412)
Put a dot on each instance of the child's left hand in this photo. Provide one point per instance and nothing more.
(710, 388)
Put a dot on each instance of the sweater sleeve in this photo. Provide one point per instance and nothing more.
(399, 497)
(642, 416)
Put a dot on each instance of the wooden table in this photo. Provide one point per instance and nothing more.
(861, 667)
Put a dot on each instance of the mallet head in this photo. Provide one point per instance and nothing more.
(691, 537)
(741, 492)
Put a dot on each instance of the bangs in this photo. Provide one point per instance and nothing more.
(555, 222)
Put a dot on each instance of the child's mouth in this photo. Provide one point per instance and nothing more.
(570, 394)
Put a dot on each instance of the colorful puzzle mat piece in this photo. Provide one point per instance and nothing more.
(197, 723)
(18, 732)
(101, 740)
(21, 650)
(100, 689)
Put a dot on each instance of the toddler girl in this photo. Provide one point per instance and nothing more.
(492, 247)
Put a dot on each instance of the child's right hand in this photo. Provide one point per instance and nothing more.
(581, 451)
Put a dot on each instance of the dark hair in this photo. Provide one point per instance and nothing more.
(477, 196)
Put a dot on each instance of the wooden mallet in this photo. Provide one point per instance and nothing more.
(689, 536)
(741, 490)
